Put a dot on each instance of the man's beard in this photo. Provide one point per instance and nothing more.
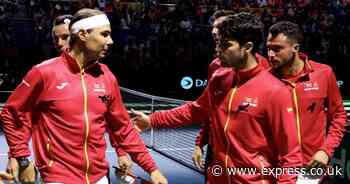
(286, 64)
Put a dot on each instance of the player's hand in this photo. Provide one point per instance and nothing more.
(158, 178)
(27, 175)
(12, 168)
(319, 160)
(141, 121)
(4, 176)
(197, 157)
(124, 163)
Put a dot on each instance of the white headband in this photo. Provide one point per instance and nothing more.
(66, 21)
(89, 23)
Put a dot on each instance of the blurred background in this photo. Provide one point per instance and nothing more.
(161, 52)
(159, 42)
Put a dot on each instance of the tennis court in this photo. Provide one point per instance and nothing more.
(172, 148)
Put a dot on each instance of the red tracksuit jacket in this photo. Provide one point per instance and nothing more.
(203, 137)
(71, 110)
(252, 124)
(321, 117)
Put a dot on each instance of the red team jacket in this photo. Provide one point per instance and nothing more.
(252, 124)
(203, 137)
(315, 95)
(321, 118)
(71, 110)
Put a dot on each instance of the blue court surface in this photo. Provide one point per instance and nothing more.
(174, 147)
(175, 172)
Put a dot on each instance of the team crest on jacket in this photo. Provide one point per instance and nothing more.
(250, 101)
(62, 85)
(105, 98)
(311, 86)
(99, 88)
(247, 102)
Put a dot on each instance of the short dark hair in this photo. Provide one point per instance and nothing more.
(243, 27)
(290, 29)
(81, 14)
(62, 19)
(218, 13)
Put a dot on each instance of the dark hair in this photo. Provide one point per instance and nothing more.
(62, 19)
(290, 29)
(81, 14)
(218, 14)
(221, 13)
(242, 27)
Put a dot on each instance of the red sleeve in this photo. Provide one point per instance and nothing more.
(16, 113)
(118, 149)
(124, 134)
(284, 133)
(203, 136)
(192, 112)
(336, 116)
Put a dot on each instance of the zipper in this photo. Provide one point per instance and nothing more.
(49, 152)
(295, 100)
(229, 107)
(86, 126)
(262, 165)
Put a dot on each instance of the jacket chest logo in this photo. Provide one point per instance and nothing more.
(248, 102)
(105, 98)
(251, 101)
(62, 85)
(99, 88)
(311, 86)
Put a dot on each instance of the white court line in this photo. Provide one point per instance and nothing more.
(175, 149)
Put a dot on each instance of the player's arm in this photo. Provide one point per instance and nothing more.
(336, 117)
(128, 138)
